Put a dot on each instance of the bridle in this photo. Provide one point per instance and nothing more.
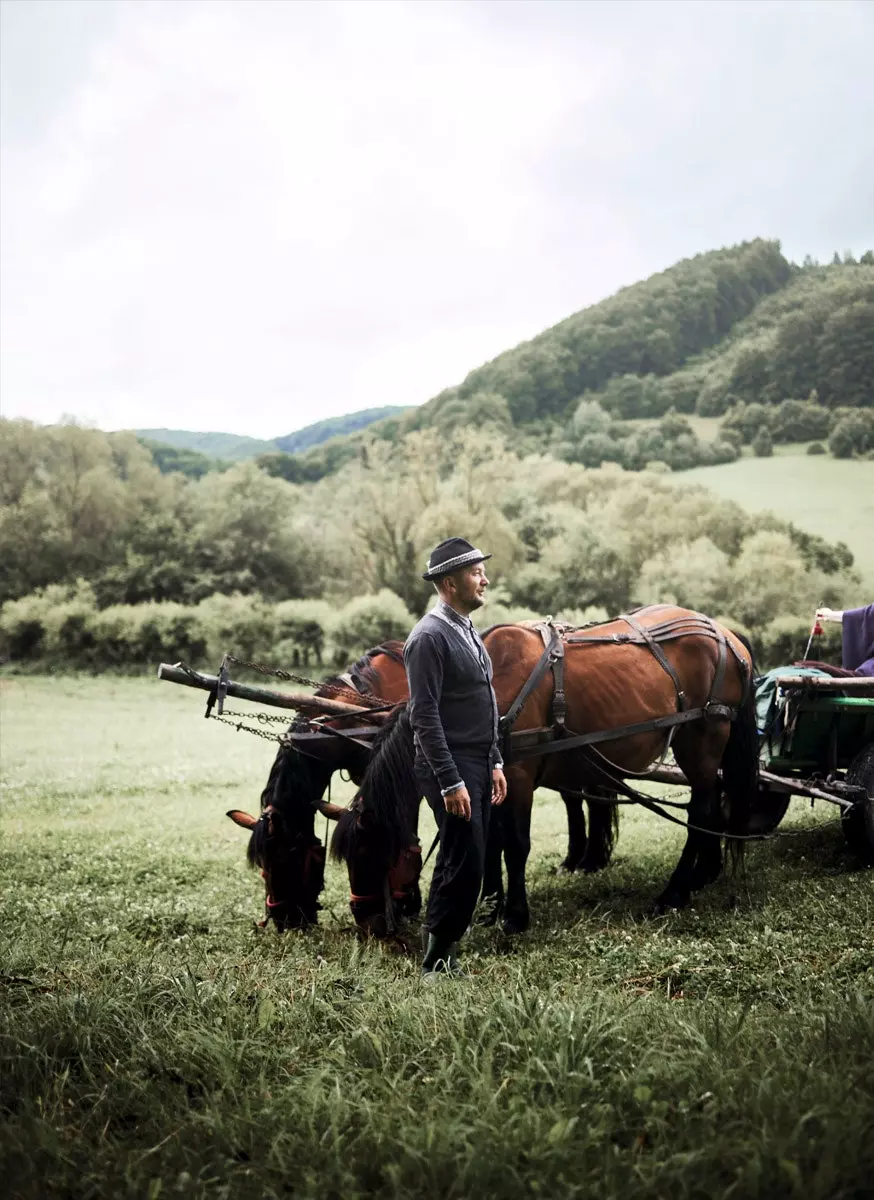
(399, 883)
(314, 859)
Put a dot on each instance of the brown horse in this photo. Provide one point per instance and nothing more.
(283, 841)
(662, 661)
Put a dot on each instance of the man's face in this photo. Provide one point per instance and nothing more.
(469, 587)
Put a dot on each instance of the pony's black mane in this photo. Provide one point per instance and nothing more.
(362, 673)
(388, 795)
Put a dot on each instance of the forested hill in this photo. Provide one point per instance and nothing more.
(729, 326)
(331, 427)
(228, 446)
(232, 447)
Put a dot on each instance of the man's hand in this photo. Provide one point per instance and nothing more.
(499, 786)
(457, 803)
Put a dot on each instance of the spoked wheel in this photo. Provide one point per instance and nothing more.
(858, 821)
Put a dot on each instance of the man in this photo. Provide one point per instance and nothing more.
(454, 716)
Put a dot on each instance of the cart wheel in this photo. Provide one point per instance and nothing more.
(858, 821)
(770, 809)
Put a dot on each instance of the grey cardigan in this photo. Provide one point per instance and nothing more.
(453, 709)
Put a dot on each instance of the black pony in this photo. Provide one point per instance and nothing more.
(377, 837)
(283, 841)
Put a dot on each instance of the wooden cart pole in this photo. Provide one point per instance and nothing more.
(174, 673)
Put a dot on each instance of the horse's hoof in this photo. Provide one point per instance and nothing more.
(670, 900)
(515, 923)
(567, 867)
(591, 867)
(704, 878)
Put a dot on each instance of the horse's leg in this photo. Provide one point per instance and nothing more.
(698, 752)
(492, 898)
(576, 831)
(603, 828)
(517, 844)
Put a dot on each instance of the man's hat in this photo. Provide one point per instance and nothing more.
(452, 555)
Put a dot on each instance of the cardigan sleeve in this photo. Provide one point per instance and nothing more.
(423, 659)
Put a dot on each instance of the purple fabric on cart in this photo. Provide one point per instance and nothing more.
(858, 639)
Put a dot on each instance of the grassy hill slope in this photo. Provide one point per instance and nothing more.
(829, 497)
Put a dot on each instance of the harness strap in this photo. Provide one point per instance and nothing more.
(711, 711)
(553, 642)
(531, 683)
(660, 657)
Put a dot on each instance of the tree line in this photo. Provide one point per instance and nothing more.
(88, 521)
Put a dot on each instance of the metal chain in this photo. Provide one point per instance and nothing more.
(238, 725)
(291, 677)
(264, 718)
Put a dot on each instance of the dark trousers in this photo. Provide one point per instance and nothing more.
(458, 872)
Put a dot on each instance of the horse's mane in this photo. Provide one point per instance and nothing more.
(388, 793)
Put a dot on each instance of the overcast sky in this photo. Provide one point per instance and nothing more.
(245, 216)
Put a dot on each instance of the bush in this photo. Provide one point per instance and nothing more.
(853, 434)
(368, 621)
(794, 421)
(301, 631)
(763, 444)
(816, 448)
(244, 626)
(746, 420)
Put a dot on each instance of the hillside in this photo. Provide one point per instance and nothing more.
(230, 446)
(331, 427)
(828, 497)
(741, 324)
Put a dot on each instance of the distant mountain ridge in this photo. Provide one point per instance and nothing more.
(232, 446)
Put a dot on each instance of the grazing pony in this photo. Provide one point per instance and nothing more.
(661, 661)
(283, 841)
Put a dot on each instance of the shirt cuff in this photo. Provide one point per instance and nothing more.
(452, 788)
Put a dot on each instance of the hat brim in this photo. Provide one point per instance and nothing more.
(454, 565)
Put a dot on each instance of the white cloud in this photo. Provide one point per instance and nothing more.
(249, 216)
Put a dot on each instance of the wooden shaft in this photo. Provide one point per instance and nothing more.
(258, 695)
(828, 683)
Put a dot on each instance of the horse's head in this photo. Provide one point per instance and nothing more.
(283, 843)
(375, 837)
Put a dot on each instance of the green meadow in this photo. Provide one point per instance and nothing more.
(155, 1043)
(828, 496)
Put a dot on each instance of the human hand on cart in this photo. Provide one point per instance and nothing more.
(829, 614)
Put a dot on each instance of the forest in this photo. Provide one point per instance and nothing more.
(110, 562)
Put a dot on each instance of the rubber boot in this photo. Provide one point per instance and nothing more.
(441, 959)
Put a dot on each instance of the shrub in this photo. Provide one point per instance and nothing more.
(763, 444)
(368, 621)
(301, 631)
(816, 448)
(794, 421)
(240, 625)
(853, 434)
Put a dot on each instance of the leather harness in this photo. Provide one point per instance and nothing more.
(556, 638)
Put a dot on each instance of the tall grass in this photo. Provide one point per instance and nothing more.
(155, 1044)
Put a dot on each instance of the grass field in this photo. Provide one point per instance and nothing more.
(831, 497)
(155, 1044)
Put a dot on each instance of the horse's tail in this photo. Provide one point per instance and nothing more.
(740, 763)
(388, 793)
